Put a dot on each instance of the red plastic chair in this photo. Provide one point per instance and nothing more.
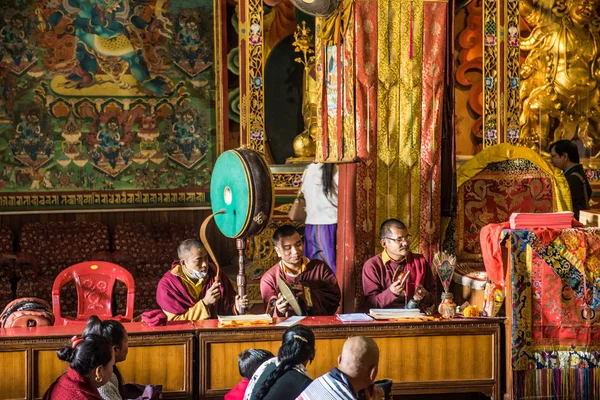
(94, 281)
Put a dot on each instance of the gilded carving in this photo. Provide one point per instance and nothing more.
(560, 77)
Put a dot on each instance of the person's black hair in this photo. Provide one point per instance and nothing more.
(566, 146)
(111, 330)
(249, 361)
(283, 231)
(388, 224)
(297, 347)
(186, 246)
(92, 352)
(329, 186)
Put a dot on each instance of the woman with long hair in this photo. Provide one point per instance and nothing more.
(285, 377)
(91, 360)
(114, 332)
(320, 188)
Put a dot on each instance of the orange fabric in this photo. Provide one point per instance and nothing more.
(492, 252)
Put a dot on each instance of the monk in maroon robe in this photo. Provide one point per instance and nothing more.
(190, 290)
(312, 281)
(380, 288)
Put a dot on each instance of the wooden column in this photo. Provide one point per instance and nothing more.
(345, 254)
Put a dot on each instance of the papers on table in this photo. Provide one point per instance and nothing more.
(246, 319)
(395, 313)
(291, 321)
(354, 317)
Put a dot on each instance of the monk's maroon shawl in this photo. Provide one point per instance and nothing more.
(172, 297)
(377, 279)
(325, 292)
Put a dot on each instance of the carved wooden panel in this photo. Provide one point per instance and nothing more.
(13, 380)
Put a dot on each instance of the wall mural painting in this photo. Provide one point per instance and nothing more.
(108, 103)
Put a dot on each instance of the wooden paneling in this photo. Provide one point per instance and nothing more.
(199, 359)
(141, 366)
(46, 368)
(428, 358)
(156, 356)
(401, 359)
(13, 380)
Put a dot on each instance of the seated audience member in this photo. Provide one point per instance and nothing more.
(248, 362)
(191, 290)
(379, 287)
(285, 377)
(564, 155)
(91, 360)
(114, 332)
(356, 372)
(312, 281)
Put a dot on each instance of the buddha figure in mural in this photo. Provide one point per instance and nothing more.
(560, 78)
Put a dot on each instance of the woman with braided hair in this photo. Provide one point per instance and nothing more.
(285, 377)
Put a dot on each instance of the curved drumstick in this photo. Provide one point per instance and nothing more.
(207, 245)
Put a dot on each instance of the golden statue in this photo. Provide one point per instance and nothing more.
(304, 143)
(560, 78)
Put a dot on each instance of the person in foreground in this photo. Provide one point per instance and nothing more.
(354, 376)
(564, 155)
(285, 377)
(91, 360)
(380, 288)
(313, 282)
(114, 332)
(192, 291)
(248, 362)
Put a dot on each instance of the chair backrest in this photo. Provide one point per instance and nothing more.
(499, 181)
(94, 281)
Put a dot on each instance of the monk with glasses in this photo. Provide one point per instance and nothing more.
(397, 278)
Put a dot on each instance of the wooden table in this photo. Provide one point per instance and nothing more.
(454, 356)
(457, 356)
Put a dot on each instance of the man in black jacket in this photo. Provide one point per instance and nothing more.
(565, 156)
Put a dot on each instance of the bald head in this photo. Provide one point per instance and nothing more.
(360, 356)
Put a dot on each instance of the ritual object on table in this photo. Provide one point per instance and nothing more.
(444, 265)
(245, 320)
(471, 311)
(493, 298)
(557, 220)
(288, 294)
(241, 197)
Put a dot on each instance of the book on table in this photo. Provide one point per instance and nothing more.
(557, 220)
(395, 313)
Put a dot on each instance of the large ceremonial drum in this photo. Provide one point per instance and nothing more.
(242, 186)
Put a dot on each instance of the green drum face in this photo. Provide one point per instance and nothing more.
(230, 191)
(241, 184)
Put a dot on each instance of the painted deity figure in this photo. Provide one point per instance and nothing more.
(100, 26)
(560, 78)
(109, 136)
(15, 40)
